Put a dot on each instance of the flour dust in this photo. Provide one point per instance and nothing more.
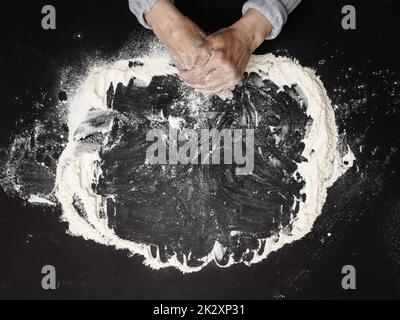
(88, 159)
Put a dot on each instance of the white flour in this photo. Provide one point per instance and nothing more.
(77, 170)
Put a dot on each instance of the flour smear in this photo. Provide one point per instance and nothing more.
(78, 168)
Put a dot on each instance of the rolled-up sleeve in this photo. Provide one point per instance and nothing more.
(139, 8)
(276, 11)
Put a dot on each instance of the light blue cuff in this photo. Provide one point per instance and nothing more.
(276, 11)
(139, 8)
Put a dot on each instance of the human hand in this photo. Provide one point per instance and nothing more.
(223, 57)
(181, 36)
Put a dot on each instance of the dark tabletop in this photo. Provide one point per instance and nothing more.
(360, 70)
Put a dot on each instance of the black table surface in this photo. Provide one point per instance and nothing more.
(360, 70)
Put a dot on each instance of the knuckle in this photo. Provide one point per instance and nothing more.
(219, 56)
(237, 78)
(228, 65)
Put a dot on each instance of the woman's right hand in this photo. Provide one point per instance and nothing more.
(181, 36)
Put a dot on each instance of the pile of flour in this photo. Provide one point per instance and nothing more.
(78, 167)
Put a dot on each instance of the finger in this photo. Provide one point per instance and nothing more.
(225, 95)
(206, 93)
(223, 79)
(186, 62)
(210, 73)
(224, 86)
(204, 85)
(213, 62)
(202, 72)
(202, 58)
(198, 73)
(212, 84)
(182, 62)
(212, 76)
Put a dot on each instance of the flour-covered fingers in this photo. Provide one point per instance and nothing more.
(222, 87)
(227, 74)
(217, 85)
(225, 95)
(199, 72)
(220, 76)
(213, 79)
(225, 81)
(202, 58)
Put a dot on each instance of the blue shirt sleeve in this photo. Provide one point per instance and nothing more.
(139, 8)
(276, 11)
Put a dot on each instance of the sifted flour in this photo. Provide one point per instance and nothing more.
(78, 168)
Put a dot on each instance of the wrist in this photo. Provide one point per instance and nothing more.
(163, 17)
(256, 26)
